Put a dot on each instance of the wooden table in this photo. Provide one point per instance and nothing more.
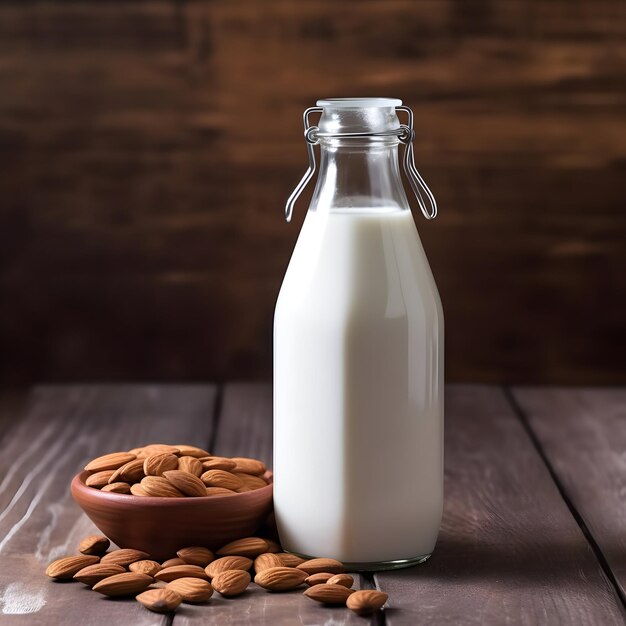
(534, 529)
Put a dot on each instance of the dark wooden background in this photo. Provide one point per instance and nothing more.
(147, 148)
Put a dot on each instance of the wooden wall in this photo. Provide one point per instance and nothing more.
(147, 148)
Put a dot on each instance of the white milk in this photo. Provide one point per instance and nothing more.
(358, 391)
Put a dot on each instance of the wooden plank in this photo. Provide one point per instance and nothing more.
(64, 428)
(509, 550)
(13, 403)
(134, 174)
(245, 422)
(245, 428)
(582, 432)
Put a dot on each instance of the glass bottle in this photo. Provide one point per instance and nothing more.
(358, 353)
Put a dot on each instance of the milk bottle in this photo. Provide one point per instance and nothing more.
(358, 353)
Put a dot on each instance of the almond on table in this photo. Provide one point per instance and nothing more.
(366, 601)
(192, 589)
(124, 556)
(267, 560)
(160, 600)
(145, 566)
(168, 574)
(250, 547)
(92, 574)
(196, 555)
(94, 544)
(315, 566)
(318, 579)
(280, 578)
(329, 594)
(341, 579)
(227, 563)
(126, 584)
(65, 568)
(231, 582)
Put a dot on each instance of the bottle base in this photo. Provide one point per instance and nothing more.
(375, 566)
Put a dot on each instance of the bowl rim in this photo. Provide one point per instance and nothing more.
(81, 491)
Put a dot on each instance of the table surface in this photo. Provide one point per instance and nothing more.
(534, 526)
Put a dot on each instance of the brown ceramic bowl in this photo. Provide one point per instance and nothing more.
(161, 526)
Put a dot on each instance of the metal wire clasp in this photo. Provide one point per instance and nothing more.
(405, 134)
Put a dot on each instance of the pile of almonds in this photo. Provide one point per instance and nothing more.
(195, 573)
(174, 472)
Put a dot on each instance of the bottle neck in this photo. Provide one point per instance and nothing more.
(359, 174)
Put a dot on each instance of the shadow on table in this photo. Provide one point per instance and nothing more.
(533, 556)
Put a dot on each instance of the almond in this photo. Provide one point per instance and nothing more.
(168, 574)
(124, 557)
(329, 594)
(219, 491)
(318, 579)
(249, 466)
(65, 568)
(273, 547)
(159, 487)
(315, 566)
(160, 600)
(228, 563)
(231, 582)
(253, 482)
(192, 589)
(366, 601)
(145, 566)
(341, 579)
(280, 578)
(250, 547)
(94, 544)
(138, 490)
(266, 560)
(109, 461)
(92, 574)
(138, 452)
(186, 483)
(125, 584)
(156, 464)
(191, 451)
(290, 560)
(99, 479)
(191, 465)
(172, 562)
(159, 448)
(117, 488)
(131, 472)
(221, 478)
(196, 555)
(219, 462)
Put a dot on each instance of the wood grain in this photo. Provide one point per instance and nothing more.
(583, 434)
(147, 149)
(509, 550)
(245, 422)
(13, 405)
(63, 429)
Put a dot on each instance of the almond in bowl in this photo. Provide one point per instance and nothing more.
(157, 487)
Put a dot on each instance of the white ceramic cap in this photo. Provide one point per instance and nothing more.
(358, 103)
